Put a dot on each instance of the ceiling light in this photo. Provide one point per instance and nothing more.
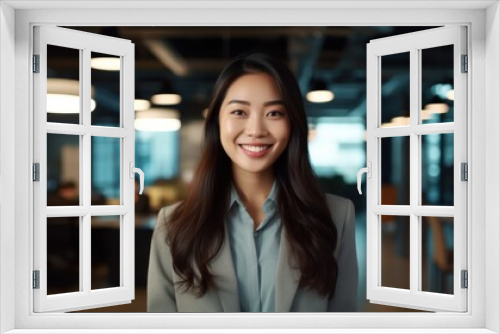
(426, 114)
(319, 93)
(437, 105)
(63, 96)
(320, 96)
(166, 99)
(106, 63)
(400, 121)
(141, 104)
(437, 108)
(166, 95)
(157, 120)
(65, 104)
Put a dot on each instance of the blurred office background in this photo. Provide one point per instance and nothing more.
(175, 69)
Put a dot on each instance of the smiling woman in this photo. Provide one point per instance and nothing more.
(256, 233)
(254, 127)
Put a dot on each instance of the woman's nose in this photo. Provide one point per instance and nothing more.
(256, 127)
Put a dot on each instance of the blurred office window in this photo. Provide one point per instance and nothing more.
(338, 147)
(106, 167)
(158, 155)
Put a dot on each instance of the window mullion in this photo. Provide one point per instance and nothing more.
(85, 249)
(415, 84)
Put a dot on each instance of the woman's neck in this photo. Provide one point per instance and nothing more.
(253, 188)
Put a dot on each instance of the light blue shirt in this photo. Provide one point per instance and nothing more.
(255, 253)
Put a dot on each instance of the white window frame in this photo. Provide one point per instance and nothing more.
(16, 216)
(85, 43)
(414, 44)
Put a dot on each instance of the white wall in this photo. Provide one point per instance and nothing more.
(7, 159)
(492, 153)
(485, 117)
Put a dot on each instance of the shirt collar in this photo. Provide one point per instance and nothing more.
(268, 203)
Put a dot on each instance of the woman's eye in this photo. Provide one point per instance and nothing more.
(237, 112)
(275, 113)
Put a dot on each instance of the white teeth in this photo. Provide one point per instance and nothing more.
(256, 148)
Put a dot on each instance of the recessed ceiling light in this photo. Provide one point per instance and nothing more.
(63, 96)
(141, 104)
(166, 99)
(320, 96)
(157, 120)
(106, 63)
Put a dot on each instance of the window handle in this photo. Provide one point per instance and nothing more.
(367, 170)
(141, 175)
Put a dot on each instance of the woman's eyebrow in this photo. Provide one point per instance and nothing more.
(269, 103)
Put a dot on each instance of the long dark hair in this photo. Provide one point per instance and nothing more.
(196, 227)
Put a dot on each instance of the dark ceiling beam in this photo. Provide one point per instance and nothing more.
(167, 55)
(235, 32)
(303, 54)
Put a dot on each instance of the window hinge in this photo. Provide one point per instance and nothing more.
(36, 63)
(464, 171)
(36, 172)
(465, 279)
(465, 64)
(36, 279)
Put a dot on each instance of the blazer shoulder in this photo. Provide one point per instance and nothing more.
(341, 209)
(164, 215)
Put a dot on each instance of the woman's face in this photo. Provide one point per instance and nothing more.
(254, 124)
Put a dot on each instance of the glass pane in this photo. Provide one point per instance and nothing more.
(105, 170)
(437, 169)
(395, 172)
(63, 255)
(63, 85)
(105, 77)
(105, 243)
(437, 84)
(395, 90)
(63, 170)
(437, 254)
(395, 250)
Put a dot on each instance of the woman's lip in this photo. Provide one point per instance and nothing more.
(255, 154)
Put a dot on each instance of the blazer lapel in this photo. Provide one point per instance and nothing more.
(225, 279)
(287, 276)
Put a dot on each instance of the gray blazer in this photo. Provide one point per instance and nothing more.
(165, 296)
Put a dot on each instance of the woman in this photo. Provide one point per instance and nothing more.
(255, 233)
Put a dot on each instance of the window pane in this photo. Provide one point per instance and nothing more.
(63, 254)
(437, 169)
(106, 170)
(105, 243)
(395, 172)
(105, 77)
(395, 89)
(437, 84)
(63, 85)
(158, 154)
(395, 251)
(437, 254)
(63, 170)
